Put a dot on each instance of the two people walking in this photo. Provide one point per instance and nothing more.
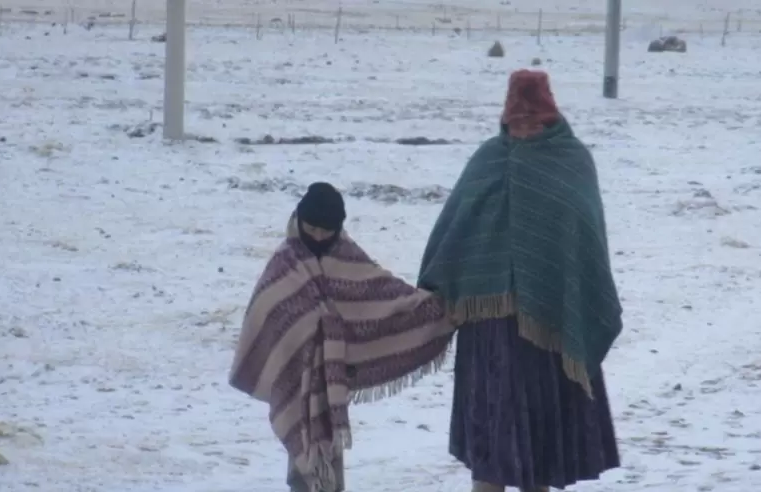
(516, 268)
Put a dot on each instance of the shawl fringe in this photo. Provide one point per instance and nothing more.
(392, 388)
(322, 458)
(481, 308)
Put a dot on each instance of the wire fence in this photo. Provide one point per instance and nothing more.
(436, 19)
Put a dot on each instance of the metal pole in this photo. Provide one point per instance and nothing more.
(612, 49)
(174, 71)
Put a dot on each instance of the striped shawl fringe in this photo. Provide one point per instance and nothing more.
(392, 388)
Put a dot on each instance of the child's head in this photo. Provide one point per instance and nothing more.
(321, 214)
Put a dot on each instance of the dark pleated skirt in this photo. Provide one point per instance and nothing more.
(518, 421)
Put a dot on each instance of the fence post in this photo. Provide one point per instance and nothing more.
(397, 23)
(612, 49)
(133, 21)
(293, 23)
(499, 23)
(539, 27)
(174, 70)
(258, 26)
(338, 24)
(433, 28)
(701, 30)
(726, 30)
(467, 29)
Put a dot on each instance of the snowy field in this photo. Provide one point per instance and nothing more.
(126, 261)
(443, 15)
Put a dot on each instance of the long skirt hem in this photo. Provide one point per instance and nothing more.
(518, 421)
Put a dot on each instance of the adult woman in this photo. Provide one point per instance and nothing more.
(326, 326)
(520, 255)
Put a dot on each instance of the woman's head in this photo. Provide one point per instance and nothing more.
(530, 105)
(321, 214)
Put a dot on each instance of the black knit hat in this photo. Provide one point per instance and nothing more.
(322, 206)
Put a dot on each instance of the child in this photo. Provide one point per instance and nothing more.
(325, 326)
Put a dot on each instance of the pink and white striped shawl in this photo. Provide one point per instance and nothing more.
(319, 334)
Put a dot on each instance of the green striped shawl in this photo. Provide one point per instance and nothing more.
(523, 233)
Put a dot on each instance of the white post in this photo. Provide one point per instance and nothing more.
(174, 71)
(338, 23)
(612, 50)
(133, 20)
(725, 33)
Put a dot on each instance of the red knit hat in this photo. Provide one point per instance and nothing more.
(530, 105)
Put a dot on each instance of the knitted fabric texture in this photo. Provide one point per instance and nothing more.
(530, 105)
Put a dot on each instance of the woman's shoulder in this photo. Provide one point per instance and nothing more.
(494, 149)
(497, 143)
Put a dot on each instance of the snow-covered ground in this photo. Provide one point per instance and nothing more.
(443, 15)
(126, 262)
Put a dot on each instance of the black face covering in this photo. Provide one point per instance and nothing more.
(318, 248)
